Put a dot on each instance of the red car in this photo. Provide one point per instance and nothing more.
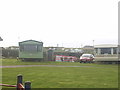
(87, 58)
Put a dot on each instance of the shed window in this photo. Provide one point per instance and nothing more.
(31, 48)
(21, 47)
(39, 47)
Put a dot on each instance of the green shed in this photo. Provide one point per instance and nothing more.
(31, 50)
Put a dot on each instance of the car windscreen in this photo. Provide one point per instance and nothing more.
(85, 55)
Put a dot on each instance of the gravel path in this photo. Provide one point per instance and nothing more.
(41, 66)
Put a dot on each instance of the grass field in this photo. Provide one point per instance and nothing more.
(100, 76)
(11, 62)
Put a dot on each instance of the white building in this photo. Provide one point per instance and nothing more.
(106, 49)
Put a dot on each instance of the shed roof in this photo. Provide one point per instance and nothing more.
(30, 42)
(105, 46)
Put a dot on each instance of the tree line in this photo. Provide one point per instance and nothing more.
(14, 53)
(10, 53)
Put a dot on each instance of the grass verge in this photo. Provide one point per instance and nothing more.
(64, 77)
(11, 62)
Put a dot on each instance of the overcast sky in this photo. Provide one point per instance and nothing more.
(69, 23)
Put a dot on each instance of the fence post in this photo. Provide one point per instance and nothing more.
(19, 80)
(27, 85)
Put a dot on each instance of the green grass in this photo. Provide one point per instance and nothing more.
(98, 76)
(11, 62)
(64, 77)
(6, 62)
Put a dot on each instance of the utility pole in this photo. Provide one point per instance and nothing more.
(93, 47)
(1, 49)
(93, 43)
(57, 45)
(1, 39)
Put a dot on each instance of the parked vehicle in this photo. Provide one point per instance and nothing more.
(62, 58)
(87, 58)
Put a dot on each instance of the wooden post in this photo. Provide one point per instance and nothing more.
(19, 80)
(27, 85)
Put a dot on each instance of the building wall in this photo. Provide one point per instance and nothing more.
(106, 50)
